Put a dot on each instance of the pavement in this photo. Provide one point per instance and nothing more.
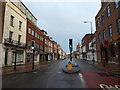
(111, 68)
(7, 70)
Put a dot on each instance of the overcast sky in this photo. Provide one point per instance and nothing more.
(64, 20)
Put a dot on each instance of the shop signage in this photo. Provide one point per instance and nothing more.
(29, 51)
(37, 52)
(115, 38)
(20, 51)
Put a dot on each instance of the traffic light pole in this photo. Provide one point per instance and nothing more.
(33, 48)
(33, 60)
(70, 47)
(70, 55)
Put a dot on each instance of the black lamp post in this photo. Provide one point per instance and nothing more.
(15, 59)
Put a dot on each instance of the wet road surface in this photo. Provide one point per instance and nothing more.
(53, 77)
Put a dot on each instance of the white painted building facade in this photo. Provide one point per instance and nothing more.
(92, 55)
(83, 52)
(14, 36)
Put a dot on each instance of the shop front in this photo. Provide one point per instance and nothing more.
(9, 56)
(37, 56)
(29, 55)
(114, 49)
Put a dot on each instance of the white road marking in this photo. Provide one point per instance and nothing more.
(80, 75)
(109, 87)
(59, 72)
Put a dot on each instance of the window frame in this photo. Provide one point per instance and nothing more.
(29, 31)
(117, 3)
(98, 22)
(110, 30)
(12, 20)
(33, 33)
(10, 35)
(19, 38)
(118, 27)
(29, 43)
(102, 17)
(108, 11)
(104, 35)
(20, 25)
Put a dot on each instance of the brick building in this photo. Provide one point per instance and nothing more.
(55, 50)
(108, 32)
(34, 33)
(48, 48)
(85, 45)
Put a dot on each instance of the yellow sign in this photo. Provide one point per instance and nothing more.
(115, 38)
(69, 66)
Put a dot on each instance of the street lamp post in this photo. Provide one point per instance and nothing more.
(92, 40)
(15, 59)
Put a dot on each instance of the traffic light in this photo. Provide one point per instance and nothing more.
(70, 44)
(33, 44)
